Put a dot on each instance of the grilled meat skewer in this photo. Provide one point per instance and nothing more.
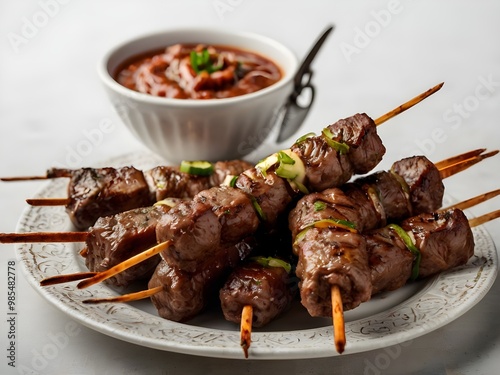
(444, 240)
(186, 294)
(97, 192)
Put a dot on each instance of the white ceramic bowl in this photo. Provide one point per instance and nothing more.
(193, 129)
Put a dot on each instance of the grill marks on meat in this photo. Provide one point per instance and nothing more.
(272, 193)
(266, 289)
(389, 260)
(359, 132)
(116, 238)
(103, 192)
(185, 294)
(326, 167)
(424, 183)
(217, 216)
(332, 257)
(329, 256)
(445, 240)
(166, 182)
(94, 193)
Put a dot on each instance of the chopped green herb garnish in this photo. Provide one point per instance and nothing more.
(284, 158)
(198, 168)
(327, 223)
(202, 61)
(304, 137)
(260, 212)
(272, 262)
(405, 237)
(319, 206)
(341, 147)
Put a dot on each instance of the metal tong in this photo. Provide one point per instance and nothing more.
(293, 113)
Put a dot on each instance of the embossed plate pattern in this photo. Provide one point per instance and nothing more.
(388, 319)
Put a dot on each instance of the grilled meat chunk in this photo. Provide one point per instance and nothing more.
(365, 146)
(266, 289)
(168, 181)
(116, 238)
(270, 192)
(424, 183)
(325, 167)
(215, 216)
(185, 294)
(103, 192)
(389, 260)
(327, 258)
(444, 239)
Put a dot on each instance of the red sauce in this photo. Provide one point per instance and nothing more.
(212, 72)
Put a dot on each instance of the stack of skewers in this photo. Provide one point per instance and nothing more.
(242, 232)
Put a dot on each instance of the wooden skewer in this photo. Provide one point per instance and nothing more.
(48, 201)
(338, 320)
(23, 178)
(136, 259)
(484, 218)
(410, 103)
(246, 328)
(459, 167)
(459, 158)
(126, 297)
(34, 237)
(59, 279)
(84, 252)
(475, 200)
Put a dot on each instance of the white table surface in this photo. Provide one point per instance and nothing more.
(50, 96)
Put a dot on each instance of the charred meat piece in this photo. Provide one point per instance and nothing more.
(365, 146)
(386, 188)
(424, 183)
(444, 239)
(168, 181)
(102, 192)
(268, 289)
(185, 294)
(329, 257)
(116, 238)
(271, 193)
(215, 216)
(329, 252)
(326, 166)
(331, 204)
(390, 260)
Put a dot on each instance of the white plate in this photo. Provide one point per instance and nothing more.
(388, 319)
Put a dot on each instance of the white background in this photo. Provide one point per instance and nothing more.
(50, 97)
